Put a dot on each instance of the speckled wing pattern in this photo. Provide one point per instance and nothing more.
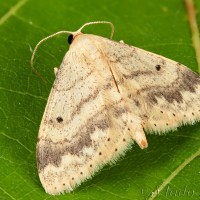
(165, 94)
(104, 96)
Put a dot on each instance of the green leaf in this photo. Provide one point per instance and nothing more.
(171, 161)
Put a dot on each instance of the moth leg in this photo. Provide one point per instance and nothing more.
(55, 70)
(134, 126)
(121, 41)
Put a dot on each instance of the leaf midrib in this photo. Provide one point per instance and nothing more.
(12, 11)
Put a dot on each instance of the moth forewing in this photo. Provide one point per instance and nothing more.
(105, 95)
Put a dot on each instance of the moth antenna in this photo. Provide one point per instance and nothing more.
(66, 32)
(100, 22)
(41, 41)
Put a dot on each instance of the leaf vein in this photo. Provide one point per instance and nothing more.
(191, 11)
(174, 174)
(122, 197)
(23, 93)
(12, 11)
(7, 193)
(11, 138)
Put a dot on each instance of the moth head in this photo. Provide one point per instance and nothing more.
(70, 38)
(79, 31)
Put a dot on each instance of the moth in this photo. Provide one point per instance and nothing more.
(106, 95)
